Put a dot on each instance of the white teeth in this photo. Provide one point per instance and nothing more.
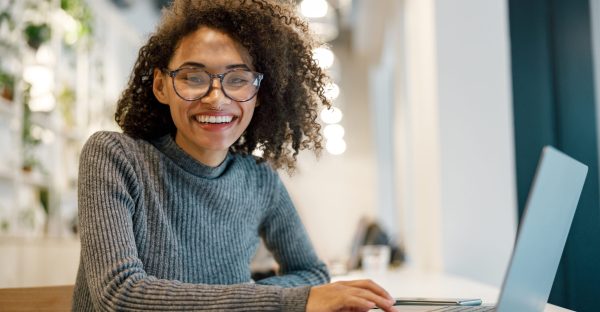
(214, 119)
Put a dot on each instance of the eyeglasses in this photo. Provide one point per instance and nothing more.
(191, 84)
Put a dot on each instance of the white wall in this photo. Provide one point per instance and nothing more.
(458, 173)
(417, 131)
(476, 134)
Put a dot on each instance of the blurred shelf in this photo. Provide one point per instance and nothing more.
(8, 49)
(35, 179)
(43, 121)
(6, 106)
(6, 174)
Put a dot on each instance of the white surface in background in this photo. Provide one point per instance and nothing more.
(38, 262)
(411, 282)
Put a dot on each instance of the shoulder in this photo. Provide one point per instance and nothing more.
(112, 146)
(113, 141)
(110, 138)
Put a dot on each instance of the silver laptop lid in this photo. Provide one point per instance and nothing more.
(543, 232)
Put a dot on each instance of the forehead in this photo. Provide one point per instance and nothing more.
(210, 47)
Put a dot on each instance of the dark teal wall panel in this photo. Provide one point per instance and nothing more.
(554, 103)
(532, 88)
(577, 131)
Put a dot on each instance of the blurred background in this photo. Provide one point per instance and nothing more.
(441, 108)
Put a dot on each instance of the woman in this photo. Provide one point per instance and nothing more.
(172, 211)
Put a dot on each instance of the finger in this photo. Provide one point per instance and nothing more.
(390, 309)
(358, 304)
(372, 286)
(382, 302)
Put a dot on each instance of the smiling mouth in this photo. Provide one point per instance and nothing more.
(204, 119)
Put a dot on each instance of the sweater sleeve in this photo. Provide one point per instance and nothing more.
(114, 273)
(285, 236)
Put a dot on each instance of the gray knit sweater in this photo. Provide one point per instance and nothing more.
(160, 231)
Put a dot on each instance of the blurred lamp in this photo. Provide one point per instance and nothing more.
(38, 74)
(45, 103)
(333, 132)
(332, 115)
(314, 8)
(332, 91)
(336, 146)
(324, 57)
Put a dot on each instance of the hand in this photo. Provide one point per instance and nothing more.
(360, 295)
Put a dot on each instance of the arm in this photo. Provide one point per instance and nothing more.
(286, 238)
(115, 275)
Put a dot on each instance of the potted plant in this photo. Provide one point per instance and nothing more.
(37, 34)
(7, 85)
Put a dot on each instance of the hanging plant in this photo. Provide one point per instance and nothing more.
(6, 17)
(82, 15)
(29, 141)
(66, 101)
(37, 34)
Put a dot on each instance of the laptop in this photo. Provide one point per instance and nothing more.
(541, 238)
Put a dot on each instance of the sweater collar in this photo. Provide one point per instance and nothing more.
(169, 147)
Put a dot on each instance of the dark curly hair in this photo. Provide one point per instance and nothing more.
(280, 45)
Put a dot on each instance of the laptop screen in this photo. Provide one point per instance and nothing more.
(543, 232)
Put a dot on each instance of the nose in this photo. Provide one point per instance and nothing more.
(215, 97)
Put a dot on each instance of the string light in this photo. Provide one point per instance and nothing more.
(324, 57)
(333, 132)
(336, 147)
(314, 8)
(332, 91)
(332, 115)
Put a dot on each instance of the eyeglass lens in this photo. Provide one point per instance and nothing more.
(239, 85)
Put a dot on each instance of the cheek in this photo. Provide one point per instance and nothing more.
(248, 115)
(178, 113)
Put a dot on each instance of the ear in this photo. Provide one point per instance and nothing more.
(159, 86)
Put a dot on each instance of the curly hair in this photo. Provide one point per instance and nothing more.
(280, 45)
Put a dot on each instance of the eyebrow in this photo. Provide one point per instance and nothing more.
(196, 64)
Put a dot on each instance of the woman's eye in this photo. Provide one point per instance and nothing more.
(237, 81)
(195, 79)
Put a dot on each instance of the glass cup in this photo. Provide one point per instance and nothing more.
(375, 259)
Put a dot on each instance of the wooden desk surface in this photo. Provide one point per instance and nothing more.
(407, 282)
(38, 299)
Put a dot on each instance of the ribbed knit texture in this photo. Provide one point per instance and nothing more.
(161, 231)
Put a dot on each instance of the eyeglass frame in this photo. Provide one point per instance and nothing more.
(173, 73)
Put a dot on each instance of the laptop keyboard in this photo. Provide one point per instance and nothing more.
(463, 308)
